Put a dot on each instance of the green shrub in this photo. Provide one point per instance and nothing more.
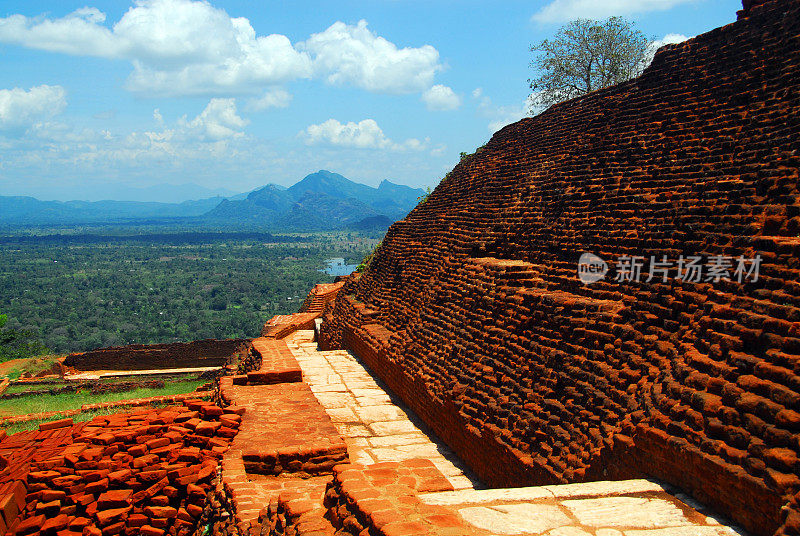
(424, 197)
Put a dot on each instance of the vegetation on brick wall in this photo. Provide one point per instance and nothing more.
(584, 56)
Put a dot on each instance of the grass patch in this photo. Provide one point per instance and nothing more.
(21, 388)
(65, 401)
(34, 424)
(81, 417)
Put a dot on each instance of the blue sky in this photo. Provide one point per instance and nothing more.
(98, 96)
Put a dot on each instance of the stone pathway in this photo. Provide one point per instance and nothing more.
(619, 508)
(376, 428)
(284, 443)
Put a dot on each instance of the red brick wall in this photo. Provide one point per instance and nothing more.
(472, 310)
(203, 353)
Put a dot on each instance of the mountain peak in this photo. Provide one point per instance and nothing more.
(325, 193)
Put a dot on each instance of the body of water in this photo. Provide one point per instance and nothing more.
(338, 267)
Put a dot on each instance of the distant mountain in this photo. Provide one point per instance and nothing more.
(159, 193)
(19, 210)
(323, 212)
(320, 201)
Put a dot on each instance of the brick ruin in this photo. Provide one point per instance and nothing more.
(157, 470)
(472, 311)
(148, 471)
(473, 314)
(203, 353)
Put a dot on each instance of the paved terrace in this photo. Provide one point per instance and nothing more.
(396, 477)
(376, 427)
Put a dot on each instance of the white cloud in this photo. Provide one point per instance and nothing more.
(477, 92)
(566, 10)
(441, 98)
(500, 116)
(79, 33)
(21, 109)
(210, 145)
(217, 122)
(365, 134)
(668, 39)
(353, 55)
(91, 14)
(177, 47)
(187, 47)
(272, 98)
(439, 150)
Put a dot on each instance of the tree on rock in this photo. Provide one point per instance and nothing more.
(586, 55)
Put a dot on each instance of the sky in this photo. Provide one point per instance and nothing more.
(101, 97)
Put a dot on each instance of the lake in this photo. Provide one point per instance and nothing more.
(337, 266)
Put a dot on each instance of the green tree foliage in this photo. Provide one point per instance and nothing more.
(75, 293)
(18, 343)
(424, 197)
(586, 55)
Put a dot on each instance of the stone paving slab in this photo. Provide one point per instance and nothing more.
(361, 408)
(609, 508)
(378, 429)
(535, 493)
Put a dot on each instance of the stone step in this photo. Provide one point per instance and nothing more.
(286, 449)
(277, 364)
(270, 377)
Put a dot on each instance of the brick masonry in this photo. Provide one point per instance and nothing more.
(143, 472)
(473, 313)
(277, 364)
(155, 472)
(281, 326)
(286, 448)
(203, 353)
(320, 296)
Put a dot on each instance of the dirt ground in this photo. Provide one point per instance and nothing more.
(8, 366)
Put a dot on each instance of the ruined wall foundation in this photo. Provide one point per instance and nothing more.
(203, 353)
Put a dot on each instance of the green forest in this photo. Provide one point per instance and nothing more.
(77, 292)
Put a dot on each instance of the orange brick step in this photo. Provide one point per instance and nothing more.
(278, 365)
